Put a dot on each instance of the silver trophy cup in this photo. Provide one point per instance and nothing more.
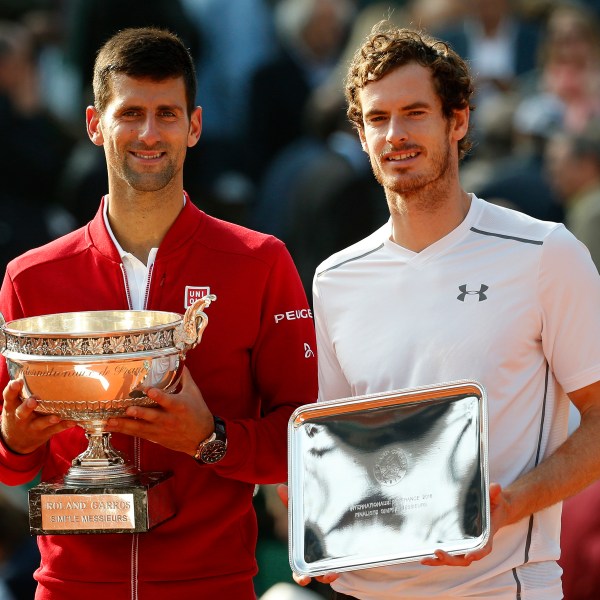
(90, 366)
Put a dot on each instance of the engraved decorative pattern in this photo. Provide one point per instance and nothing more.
(157, 340)
(137, 343)
(54, 347)
(91, 409)
(37, 345)
(88, 346)
(96, 345)
(116, 344)
(74, 346)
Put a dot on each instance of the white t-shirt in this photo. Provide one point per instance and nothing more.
(503, 299)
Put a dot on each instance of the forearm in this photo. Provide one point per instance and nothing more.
(257, 449)
(571, 468)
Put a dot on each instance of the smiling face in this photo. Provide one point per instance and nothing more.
(412, 147)
(145, 131)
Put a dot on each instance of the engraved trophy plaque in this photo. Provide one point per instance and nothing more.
(388, 478)
(88, 367)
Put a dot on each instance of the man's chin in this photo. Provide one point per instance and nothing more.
(149, 184)
(403, 186)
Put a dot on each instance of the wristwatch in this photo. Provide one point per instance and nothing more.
(214, 447)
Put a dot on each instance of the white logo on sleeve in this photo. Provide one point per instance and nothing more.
(293, 315)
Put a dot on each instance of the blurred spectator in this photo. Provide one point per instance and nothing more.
(568, 76)
(34, 150)
(272, 211)
(59, 81)
(573, 161)
(435, 15)
(515, 173)
(498, 43)
(513, 128)
(580, 544)
(494, 142)
(230, 53)
(311, 35)
(572, 64)
(238, 37)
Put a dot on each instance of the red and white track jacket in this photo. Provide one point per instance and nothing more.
(255, 364)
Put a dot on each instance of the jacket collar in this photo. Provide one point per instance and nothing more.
(188, 222)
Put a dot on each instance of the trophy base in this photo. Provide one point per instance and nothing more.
(57, 508)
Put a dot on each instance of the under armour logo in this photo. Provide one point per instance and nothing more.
(465, 292)
(308, 353)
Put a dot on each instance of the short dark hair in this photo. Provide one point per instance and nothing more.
(144, 52)
(388, 47)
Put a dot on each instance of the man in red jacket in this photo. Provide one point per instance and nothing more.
(149, 247)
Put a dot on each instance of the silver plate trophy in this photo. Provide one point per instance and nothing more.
(388, 478)
(88, 367)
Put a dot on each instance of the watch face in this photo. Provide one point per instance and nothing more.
(213, 452)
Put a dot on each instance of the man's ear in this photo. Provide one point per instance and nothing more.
(94, 130)
(460, 125)
(363, 139)
(195, 127)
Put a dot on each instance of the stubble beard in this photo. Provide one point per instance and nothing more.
(424, 191)
(149, 182)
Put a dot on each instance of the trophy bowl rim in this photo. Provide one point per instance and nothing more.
(12, 327)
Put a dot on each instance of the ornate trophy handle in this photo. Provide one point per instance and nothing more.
(188, 334)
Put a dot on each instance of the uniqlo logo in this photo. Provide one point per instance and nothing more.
(193, 293)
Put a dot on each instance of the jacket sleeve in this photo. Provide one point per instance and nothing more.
(284, 371)
(15, 469)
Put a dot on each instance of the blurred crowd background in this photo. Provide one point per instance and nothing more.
(277, 153)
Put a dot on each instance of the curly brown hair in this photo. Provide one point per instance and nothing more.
(388, 47)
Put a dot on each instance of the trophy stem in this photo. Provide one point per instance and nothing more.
(100, 463)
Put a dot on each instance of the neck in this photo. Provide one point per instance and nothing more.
(418, 221)
(140, 220)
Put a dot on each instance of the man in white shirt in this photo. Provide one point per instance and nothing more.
(455, 288)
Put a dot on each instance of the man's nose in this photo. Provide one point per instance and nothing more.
(149, 131)
(396, 132)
